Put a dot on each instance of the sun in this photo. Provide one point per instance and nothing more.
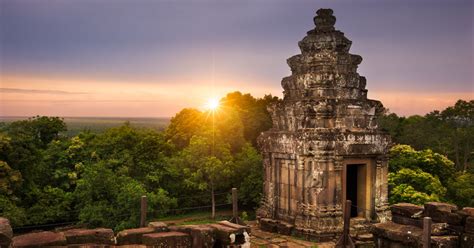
(212, 104)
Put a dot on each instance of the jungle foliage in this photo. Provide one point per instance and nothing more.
(436, 164)
(97, 178)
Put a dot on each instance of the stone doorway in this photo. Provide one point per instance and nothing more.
(357, 186)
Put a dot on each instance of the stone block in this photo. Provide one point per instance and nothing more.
(222, 233)
(450, 218)
(101, 246)
(469, 211)
(407, 220)
(6, 232)
(404, 234)
(443, 212)
(90, 236)
(168, 239)
(133, 236)
(284, 228)
(439, 229)
(444, 241)
(268, 225)
(123, 246)
(469, 226)
(405, 209)
(439, 206)
(201, 235)
(39, 239)
(240, 228)
(466, 240)
(158, 226)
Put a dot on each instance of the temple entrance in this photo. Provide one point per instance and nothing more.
(356, 188)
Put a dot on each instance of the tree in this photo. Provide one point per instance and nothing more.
(107, 199)
(414, 186)
(183, 126)
(248, 176)
(460, 119)
(137, 153)
(10, 182)
(461, 189)
(252, 111)
(449, 132)
(404, 156)
(207, 163)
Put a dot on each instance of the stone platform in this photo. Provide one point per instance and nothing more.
(157, 234)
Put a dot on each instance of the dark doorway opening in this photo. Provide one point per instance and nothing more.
(351, 187)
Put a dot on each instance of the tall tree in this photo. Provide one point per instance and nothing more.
(207, 163)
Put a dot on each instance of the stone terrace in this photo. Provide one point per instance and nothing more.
(451, 227)
(157, 234)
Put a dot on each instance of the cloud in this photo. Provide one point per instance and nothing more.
(33, 91)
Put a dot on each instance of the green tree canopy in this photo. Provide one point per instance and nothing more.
(414, 186)
(404, 156)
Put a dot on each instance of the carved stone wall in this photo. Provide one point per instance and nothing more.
(323, 121)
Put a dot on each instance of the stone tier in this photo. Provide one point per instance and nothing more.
(352, 115)
(325, 143)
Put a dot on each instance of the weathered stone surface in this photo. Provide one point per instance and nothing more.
(202, 235)
(438, 229)
(431, 207)
(324, 123)
(39, 239)
(90, 236)
(168, 239)
(158, 226)
(238, 227)
(405, 209)
(133, 236)
(100, 246)
(227, 235)
(446, 217)
(443, 212)
(469, 226)
(407, 221)
(403, 234)
(469, 211)
(285, 228)
(268, 225)
(444, 241)
(466, 240)
(6, 232)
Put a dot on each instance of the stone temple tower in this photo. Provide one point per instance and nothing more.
(325, 146)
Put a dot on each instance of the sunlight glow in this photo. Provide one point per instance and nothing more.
(212, 104)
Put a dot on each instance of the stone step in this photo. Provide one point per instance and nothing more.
(133, 236)
(90, 236)
(39, 239)
(368, 237)
(167, 239)
(202, 235)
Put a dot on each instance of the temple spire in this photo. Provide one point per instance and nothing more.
(324, 20)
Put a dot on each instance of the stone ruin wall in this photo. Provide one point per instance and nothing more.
(156, 234)
(451, 228)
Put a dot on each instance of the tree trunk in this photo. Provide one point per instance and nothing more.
(213, 202)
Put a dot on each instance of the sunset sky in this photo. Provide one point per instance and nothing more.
(152, 58)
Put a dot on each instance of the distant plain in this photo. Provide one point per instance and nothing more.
(99, 124)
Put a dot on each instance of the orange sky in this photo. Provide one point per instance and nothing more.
(26, 96)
